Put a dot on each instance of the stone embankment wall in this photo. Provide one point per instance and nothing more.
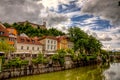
(40, 68)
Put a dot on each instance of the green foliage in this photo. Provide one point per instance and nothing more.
(5, 47)
(40, 59)
(55, 32)
(17, 62)
(7, 25)
(32, 32)
(55, 57)
(83, 42)
(3, 59)
(61, 53)
(59, 57)
(104, 55)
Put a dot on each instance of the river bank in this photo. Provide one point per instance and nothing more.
(39, 69)
(107, 71)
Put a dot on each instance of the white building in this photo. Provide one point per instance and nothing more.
(49, 44)
(26, 46)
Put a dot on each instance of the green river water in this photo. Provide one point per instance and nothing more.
(96, 72)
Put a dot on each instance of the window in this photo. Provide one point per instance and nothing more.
(54, 42)
(51, 47)
(22, 40)
(54, 47)
(22, 47)
(32, 48)
(48, 41)
(1, 33)
(27, 48)
(33, 41)
(38, 48)
(51, 42)
(28, 40)
(48, 47)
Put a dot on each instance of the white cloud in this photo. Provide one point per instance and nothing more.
(110, 38)
(108, 10)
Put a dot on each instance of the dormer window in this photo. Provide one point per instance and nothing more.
(22, 40)
(28, 40)
(33, 41)
(1, 33)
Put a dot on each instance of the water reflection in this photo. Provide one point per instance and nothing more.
(113, 73)
(96, 72)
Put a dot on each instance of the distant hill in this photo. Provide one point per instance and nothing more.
(33, 30)
(43, 26)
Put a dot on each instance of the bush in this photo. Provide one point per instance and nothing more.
(17, 62)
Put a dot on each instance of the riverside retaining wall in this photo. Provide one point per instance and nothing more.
(40, 68)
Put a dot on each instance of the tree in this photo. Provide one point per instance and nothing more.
(5, 47)
(83, 42)
(32, 32)
(7, 25)
(79, 38)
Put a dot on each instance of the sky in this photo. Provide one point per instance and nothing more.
(100, 18)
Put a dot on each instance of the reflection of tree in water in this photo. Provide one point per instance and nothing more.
(84, 73)
(94, 72)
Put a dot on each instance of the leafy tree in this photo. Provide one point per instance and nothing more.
(40, 59)
(15, 63)
(32, 32)
(7, 25)
(83, 42)
(5, 47)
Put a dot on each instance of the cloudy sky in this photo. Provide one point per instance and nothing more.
(100, 18)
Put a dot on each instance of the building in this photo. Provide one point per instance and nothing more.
(27, 47)
(3, 33)
(64, 43)
(12, 36)
(49, 44)
(70, 44)
(43, 26)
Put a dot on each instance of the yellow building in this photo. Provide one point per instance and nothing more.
(64, 43)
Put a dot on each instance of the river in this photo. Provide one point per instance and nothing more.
(96, 72)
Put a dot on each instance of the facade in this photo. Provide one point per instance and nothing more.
(12, 36)
(3, 33)
(62, 42)
(28, 46)
(49, 44)
(70, 44)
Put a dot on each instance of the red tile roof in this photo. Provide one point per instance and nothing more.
(26, 40)
(48, 37)
(59, 38)
(4, 30)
